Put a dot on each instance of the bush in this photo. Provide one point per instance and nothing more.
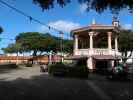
(58, 69)
(8, 65)
(78, 71)
(13, 66)
(28, 65)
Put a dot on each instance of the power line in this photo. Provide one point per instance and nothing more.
(35, 20)
(30, 17)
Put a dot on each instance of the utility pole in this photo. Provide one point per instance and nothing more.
(61, 45)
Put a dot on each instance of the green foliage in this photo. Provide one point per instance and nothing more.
(126, 43)
(8, 66)
(1, 29)
(47, 4)
(101, 41)
(36, 42)
(28, 65)
(79, 70)
(68, 46)
(126, 40)
(57, 69)
(12, 48)
(97, 5)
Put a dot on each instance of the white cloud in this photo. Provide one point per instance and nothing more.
(83, 7)
(43, 29)
(65, 26)
(127, 26)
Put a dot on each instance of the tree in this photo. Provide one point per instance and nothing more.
(68, 46)
(126, 44)
(12, 48)
(1, 29)
(98, 5)
(36, 42)
(51, 43)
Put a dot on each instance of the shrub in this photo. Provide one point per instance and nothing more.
(28, 65)
(9, 65)
(57, 69)
(13, 66)
(79, 69)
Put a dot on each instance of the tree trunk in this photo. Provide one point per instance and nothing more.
(34, 53)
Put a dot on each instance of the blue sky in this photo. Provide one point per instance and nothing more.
(65, 19)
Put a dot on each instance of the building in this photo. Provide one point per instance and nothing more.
(26, 59)
(87, 43)
(14, 59)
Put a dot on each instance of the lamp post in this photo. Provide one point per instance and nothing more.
(61, 46)
(50, 57)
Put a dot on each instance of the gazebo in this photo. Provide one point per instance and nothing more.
(97, 42)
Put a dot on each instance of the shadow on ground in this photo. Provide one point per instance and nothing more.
(44, 87)
(7, 68)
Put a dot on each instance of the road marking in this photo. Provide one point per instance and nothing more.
(98, 91)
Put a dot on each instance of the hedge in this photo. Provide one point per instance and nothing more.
(28, 65)
(54, 69)
(8, 65)
(78, 70)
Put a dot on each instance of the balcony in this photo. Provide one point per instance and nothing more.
(96, 51)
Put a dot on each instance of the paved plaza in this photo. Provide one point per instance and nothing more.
(31, 84)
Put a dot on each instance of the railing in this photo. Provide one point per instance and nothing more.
(82, 52)
(96, 51)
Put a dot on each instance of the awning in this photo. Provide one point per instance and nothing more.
(106, 57)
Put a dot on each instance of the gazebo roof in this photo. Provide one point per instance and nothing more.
(95, 27)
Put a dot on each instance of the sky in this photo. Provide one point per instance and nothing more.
(70, 17)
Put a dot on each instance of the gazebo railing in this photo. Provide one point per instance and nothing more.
(96, 51)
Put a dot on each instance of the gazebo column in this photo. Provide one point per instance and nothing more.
(110, 46)
(75, 44)
(116, 43)
(90, 64)
(109, 40)
(91, 40)
(90, 59)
